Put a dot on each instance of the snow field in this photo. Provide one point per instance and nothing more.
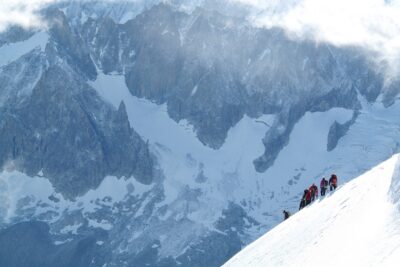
(16, 187)
(183, 157)
(13, 51)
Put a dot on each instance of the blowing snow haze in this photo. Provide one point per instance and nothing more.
(174, 133)
(372, 25)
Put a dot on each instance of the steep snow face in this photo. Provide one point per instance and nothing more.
(372, 138)
(358, 225)
(395, 186)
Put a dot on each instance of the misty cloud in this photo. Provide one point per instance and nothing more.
(21, 12)
(370, 24)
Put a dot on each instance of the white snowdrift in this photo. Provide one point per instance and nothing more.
(358, 225)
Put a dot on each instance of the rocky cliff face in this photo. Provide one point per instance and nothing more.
(212, 70)
(53, 122)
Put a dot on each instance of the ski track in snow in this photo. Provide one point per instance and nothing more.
(358, 225)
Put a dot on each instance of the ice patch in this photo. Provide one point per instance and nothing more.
(57, 243)
(103, 224)
(71, 229)
(194, 90)
(127, 17)
(264, 53)
(113, 188)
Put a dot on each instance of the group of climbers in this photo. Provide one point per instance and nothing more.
(332, 184)
(309, 196)
(311, 193)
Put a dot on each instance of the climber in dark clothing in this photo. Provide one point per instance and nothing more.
(302, 203)
(286, 214)
(306, 199)
(313, 192)
(303, 200)
(323, 186)
(333, 182)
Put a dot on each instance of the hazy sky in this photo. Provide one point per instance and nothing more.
(21, 12)
(373, 24)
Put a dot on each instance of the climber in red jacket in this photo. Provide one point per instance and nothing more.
(333, 182)
(313, 192)
(307, 194)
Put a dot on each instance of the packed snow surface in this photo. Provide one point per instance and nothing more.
(358, 225)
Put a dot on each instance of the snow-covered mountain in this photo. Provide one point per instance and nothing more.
(139, 133)
(358, 225)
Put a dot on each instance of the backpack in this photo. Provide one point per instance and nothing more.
(308, 195)
(333, 179)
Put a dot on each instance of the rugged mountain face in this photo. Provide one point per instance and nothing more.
(153, 134)
(53, 122)
(212, 70)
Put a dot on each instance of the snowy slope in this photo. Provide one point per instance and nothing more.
(221, 175)
(356, 226)
(11, 52)
(21, 195)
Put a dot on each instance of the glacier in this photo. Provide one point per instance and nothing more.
(357, 225)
